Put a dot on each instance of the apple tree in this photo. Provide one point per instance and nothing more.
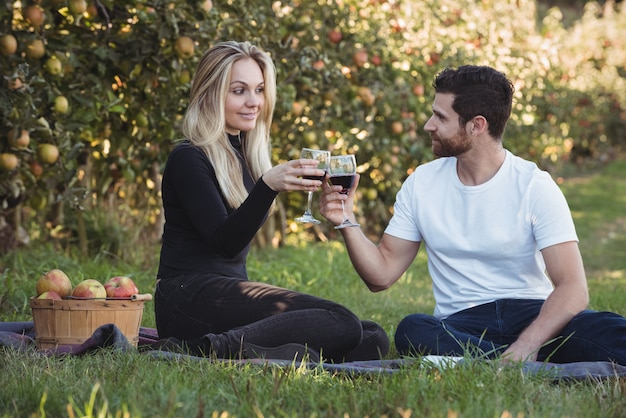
(93, 92)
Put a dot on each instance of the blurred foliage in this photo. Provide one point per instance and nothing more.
(354, 76)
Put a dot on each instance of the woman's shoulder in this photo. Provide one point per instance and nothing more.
(185, 149)
(186, 156)
(183, 145)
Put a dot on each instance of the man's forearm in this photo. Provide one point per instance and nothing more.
(558, 309)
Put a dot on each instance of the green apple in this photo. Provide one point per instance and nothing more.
(61, 104)
(53, 65)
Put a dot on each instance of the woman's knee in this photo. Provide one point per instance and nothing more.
(377, 335)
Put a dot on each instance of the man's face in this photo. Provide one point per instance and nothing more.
(448, 138)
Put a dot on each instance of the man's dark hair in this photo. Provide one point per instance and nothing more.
(478, 90)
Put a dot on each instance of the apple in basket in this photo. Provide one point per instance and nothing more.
(54, 280)
(90, 288)
(50, 294)
(120, 287)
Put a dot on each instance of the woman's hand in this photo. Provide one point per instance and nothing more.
(330, 201)
(289, 176)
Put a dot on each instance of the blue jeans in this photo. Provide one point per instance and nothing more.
(228, 310)
(489, 329)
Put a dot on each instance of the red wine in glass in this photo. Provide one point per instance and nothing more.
(344, 180)
(323, 157)
(342, 173)
(320, 178)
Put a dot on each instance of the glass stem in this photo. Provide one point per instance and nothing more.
(343, 211)
(308, 203)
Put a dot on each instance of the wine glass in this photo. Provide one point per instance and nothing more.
(342, 173)
(323, 157)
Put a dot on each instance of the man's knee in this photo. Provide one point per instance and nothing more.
(413, 332)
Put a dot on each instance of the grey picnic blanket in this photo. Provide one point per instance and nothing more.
(21, 336)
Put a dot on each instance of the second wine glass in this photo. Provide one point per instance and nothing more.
(323, 157)
(342, 173)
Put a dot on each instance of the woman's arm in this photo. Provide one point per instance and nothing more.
(191, 181)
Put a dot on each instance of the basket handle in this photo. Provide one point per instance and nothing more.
(144, 296)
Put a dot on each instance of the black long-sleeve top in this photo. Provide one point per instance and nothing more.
(202, 234)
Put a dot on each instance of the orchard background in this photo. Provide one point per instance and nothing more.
(93, 92)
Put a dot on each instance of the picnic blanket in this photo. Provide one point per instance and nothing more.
(21, 336)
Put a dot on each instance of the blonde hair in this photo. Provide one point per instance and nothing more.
(204, 123)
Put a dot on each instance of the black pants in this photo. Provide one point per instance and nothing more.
(233, 310)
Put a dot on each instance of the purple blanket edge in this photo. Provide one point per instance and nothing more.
(21, 336)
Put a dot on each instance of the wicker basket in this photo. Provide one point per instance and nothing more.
(72, 321)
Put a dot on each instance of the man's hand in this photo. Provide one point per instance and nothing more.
(519, 351)
(330, 201)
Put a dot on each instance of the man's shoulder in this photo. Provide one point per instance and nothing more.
(436, 164)
(433, 168)
(522, 163)
(429, 174)
(527, 168)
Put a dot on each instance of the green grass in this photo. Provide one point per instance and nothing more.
(113, 384)
(598, 204)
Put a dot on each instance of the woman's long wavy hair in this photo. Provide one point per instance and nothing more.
(204, 123)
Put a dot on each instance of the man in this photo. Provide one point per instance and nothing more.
(503, 254)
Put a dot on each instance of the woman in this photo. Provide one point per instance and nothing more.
(218, 187)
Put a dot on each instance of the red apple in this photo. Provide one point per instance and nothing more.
(120, 287)
(34, 15)
(35, 168)
(54, 280)
(90, 288)
(18, 138)
(319, 65)
(335, 36)
(360, 57)
(418, 90)
(50, 294)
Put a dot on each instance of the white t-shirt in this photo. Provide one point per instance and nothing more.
(483, 242)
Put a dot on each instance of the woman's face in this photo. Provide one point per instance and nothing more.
(245, 97)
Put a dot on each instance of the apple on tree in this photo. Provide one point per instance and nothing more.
(61, 104)
(54, 280)
(184, 47)
(34, 15)
(18, 138)
(8, 161)
(35, 48)
(47, 153)
(335, 36)
(120, 287)
(77, 7)
(89, 289)
(8, 44)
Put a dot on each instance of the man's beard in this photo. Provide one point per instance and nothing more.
(459, 144)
